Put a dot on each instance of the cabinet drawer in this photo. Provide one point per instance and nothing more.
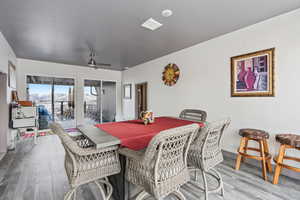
(19, 123)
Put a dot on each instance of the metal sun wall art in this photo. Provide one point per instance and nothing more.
(171, 74)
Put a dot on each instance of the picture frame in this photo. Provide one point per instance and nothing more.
(252, 74)
(14, 96)
(12, 79)
(127, 91)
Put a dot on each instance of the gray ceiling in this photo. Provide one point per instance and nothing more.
(63, 31)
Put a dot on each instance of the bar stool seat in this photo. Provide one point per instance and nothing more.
(254, 133)
(260, 137)
(287, 141)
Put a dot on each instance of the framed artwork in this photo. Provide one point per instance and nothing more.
(252, 74)
(127, 91)
(14, 96)
(12, 80)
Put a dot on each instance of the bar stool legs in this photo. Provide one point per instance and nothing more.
(287, 141)
(267, 150)
(264, 157)
(278, 165)
(263, 161)
(245, 149)
(241, 148)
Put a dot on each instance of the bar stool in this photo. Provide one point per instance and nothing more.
(287, 141)
(260, 137)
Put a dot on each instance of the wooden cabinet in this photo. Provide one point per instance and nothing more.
(24, 117)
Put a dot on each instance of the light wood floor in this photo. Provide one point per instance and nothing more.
(37, 173)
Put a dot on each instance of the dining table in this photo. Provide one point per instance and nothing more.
(132, 134)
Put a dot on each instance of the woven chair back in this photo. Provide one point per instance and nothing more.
(168, 151)
(211, 153)
(194, 115)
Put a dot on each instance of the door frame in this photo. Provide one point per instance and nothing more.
(136, 97)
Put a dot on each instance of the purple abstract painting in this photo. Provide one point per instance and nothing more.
(252, 74)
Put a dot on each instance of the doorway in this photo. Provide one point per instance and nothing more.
(141, 98)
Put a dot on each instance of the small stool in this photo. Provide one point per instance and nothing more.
(261, 137)
(287, 141)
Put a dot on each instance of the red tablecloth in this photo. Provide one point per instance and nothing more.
(135, 135)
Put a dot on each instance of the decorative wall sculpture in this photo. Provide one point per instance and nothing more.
(171, 74)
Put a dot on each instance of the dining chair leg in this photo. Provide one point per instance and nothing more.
(263, 162)
(179, 195)
(205, 185)
(69, 194)
(100, 189)
(142, 195)
(239, 156)
(194, 170)
(105, 194)
(109, 187)
(220, 180)
(35, 135)
(74, 195)
(278, 164)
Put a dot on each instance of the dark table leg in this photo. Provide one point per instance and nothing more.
(119, 183)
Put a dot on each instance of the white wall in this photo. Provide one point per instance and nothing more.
(204, 82)
(39, 68)
(6, 54)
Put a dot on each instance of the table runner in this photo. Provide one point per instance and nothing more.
(135, 135)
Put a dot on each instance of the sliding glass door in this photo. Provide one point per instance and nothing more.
(108, 101)
(99, 101)
(54, 98)
(92, 102)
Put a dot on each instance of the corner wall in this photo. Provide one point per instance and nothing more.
(204, 82)
(6, 54)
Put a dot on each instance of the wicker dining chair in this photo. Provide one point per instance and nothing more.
(162, 168)
(193, 114)
(85, 164)
(205, 154)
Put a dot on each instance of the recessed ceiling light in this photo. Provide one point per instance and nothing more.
(151, 24)
(126, 68)
(167, 13)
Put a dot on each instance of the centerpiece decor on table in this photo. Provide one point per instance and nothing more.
(171, 74)
(147, 117)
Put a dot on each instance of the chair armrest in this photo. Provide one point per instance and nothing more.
(136, 155)
(90, 150)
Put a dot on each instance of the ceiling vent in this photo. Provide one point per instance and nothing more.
(151, 24)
